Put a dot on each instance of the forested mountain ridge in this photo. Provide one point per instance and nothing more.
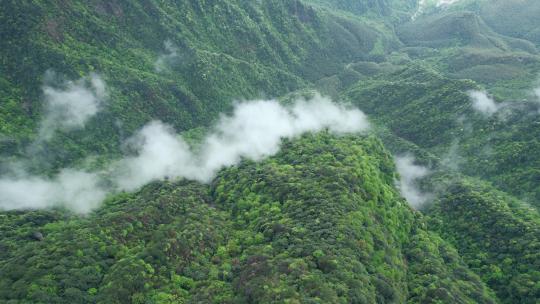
(483, 223)
(266, 232)
(448, 89)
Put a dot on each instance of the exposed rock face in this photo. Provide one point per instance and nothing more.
(38, 236)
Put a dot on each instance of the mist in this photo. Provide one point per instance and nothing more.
(446, 2)
(452, 160)
(410, 174)
(482, 103)
(167, 59)
(536, 93)
(71, 105)
(75, 190)
(424, 4)
(68, 106)
(254, 130)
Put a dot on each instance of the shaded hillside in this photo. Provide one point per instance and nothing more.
(391, 10)
(458, 28)
(416, 103)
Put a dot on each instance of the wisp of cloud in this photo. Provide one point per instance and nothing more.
(423, 4)
(167, 59)
(536, 92)
(253, 131)
(77, 190)
(410, 174)
(71, 107)
(482, 103)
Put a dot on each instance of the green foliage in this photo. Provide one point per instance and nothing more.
(438, 274)
(433, 112)
(321, 222)
(498, 237)
(309, 209)
(225, 51)
(157, 244)
(415, 103)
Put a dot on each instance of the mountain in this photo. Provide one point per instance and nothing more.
(464, 46)
(319, 222)
(512, 18)
(434, 112)
(271, 48)
(181, 152)
(391, 10)
(483, 223)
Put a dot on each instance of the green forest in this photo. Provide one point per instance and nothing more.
(274, 151)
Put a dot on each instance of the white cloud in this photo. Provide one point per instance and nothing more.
(424, 4)
(160, 154)
(410, 174)
(71, 107)
(446, 2)
(482, 103)
(76, 190)
(253, 131)
(537, 93)
(167, 59)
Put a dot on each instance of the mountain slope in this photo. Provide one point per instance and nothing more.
(435, 112)
(321, 222)
(498, 236)
(216, 53)
(459, 41)
(512, 18)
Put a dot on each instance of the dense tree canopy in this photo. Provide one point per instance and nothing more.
(321, 221)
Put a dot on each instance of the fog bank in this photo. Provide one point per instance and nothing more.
(253, 131)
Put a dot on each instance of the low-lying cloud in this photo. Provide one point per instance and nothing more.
(424, 4)
(536, 92)
(482, 103)
(72, 105)
(440, 3)
(167, 59)
(77, 190)
(410, 175)
(452, 160)
(253, 131)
